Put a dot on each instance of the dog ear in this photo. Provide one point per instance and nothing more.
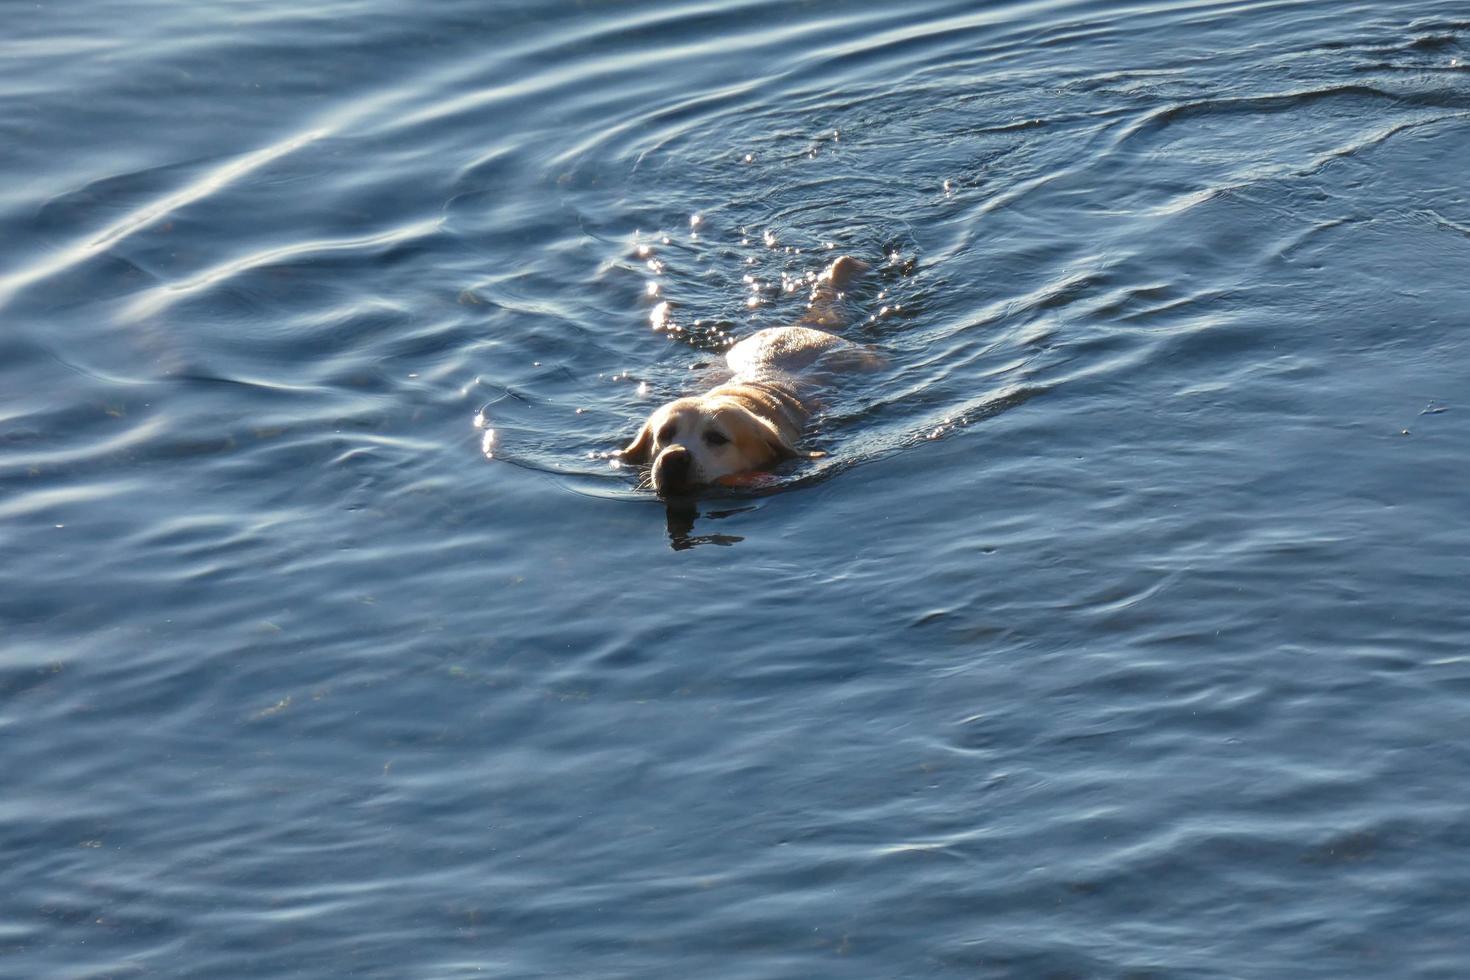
(780, 448)
(783, 450)
(637, 451)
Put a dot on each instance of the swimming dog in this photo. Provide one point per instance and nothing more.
(753, 421)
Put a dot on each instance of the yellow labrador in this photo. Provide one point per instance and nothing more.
(753, 421)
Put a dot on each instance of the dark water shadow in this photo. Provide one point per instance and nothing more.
(683, 512)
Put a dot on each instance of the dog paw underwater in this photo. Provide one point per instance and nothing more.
(733, 435)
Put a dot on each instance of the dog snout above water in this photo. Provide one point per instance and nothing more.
(672, 470)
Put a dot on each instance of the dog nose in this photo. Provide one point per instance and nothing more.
(671, 469)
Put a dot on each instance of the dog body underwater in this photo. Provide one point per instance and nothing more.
(753, 421)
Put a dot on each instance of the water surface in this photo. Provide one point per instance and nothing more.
(1122, 631)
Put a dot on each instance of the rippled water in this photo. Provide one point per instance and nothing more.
(1123, 631)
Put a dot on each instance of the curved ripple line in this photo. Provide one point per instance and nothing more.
(1275, 102)
(161, 297)
(598, 70)
(86, 452)
(29, 503)
(141, 217)
(1445, 223)
(1367, 142)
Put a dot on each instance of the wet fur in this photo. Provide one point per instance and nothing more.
(754, 421)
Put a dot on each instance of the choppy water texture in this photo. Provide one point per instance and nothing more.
(1122, 633)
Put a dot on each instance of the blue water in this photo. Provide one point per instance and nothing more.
(1122, 632)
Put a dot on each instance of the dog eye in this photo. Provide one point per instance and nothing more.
(667, 433)
(716, 438)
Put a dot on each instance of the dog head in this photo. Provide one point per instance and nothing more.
(695, 441)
